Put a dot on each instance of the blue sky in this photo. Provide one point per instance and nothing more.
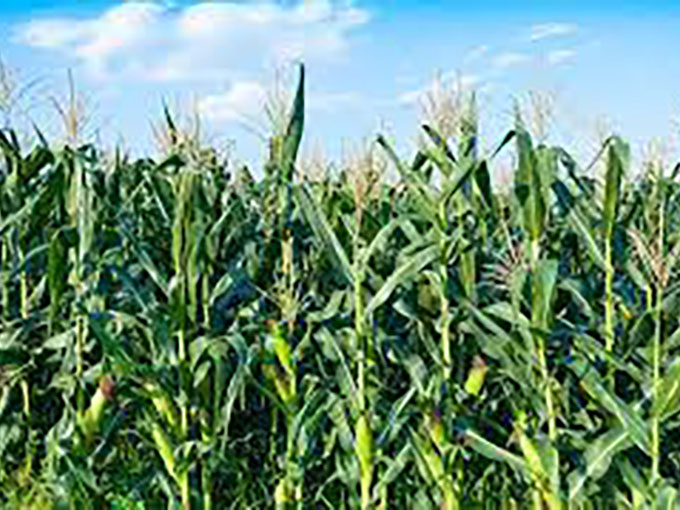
(604, 63)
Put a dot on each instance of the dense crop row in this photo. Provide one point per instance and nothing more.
(176, 334)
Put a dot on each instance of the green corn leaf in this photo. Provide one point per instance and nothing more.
(595, 350)
(415, 182)
(395, 466)
(323, 232)
(509, 136)
(668, 402)
(528, 186)
(57, 271)
(380, 240)
(618, 155)
(579, 222)
(439, 142)
(633, 478)
(454, 184)
(483, 180)
(404, 273)
(293, 136)
(628, 418)
(496, 453)
(146, 261)
(598, 457)
(172, 129)
(668, 498)
(543, 290)
(419, 162)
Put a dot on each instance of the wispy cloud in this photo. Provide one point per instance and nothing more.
(546, 30)
(411, 97)
(476, 53)
(510, 59)
(205, 40)
(560, 56)
(245, 101)
(332, 101)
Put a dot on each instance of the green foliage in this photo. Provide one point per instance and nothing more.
(433, 343)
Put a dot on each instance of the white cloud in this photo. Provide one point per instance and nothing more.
(560, 56)
(206, 40)
(510, 59)
(243, 100)
(545, 30)
(97, 41)
(332, 101)
(412, 96)
(468, 81)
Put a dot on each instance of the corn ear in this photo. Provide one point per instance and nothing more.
(434, 464)
(536, 467)
(435, 427)
(364, 451)
(284, 385)
(164, 449)
(282, 493)
(364, 442)
(476, 376)
(281, 347)
(529, 450)
(94, 413)
(163, 404)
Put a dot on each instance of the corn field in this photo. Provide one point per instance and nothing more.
(177, 334)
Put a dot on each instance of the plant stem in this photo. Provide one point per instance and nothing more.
(445, 338)
(360, 339)
(656, 378)
(444, 303)
(23, 285)
(609, 307)
(365, 356)
(5, 282)
(290, 452)
(80, 341)
(609, 297)
(25, 390)
(185, 490)
(658, 332)
(543, 364)
(552, 427)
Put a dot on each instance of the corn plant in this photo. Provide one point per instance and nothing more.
(178, 331)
